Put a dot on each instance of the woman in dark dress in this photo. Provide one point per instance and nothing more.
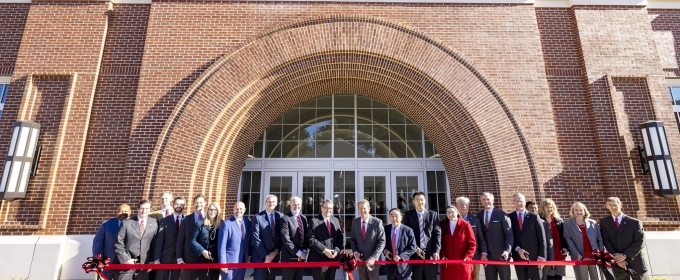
(548, 212)
(204, 242)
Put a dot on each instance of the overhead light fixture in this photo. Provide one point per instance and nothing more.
(19, 160)
(658, 157)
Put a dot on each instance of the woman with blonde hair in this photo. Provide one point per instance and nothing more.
(548, 212)
(583, 236)
(204, 241)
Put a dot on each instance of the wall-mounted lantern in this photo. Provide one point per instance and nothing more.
(658, 158)
(20, 160)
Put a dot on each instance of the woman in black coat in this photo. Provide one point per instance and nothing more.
(204, 242)
(548, 212)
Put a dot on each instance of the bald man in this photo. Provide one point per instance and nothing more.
(106, 237)
(232, 244)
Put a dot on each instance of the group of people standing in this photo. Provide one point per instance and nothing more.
(530, 233)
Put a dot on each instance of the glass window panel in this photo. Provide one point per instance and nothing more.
(365, 149)
(323, 149)
(324, 102)
(306, 149)
(278, 120)
(344, 120)
(255, 181)
(307, 115)
(364, 132)
(290, 132)
(292, 116)
(344, 116)
(397, 132)
(345, 132)
(323, 115)
(307, 132)
(398, 149)
(381, 133)
(408, 120)
(396, 117)
(369, 184)
(363, 102)
(261, 137)
(431, 181)
(274, 132)
(344, 101)
(256, 152)
(382, 149)
(380, 116)
(289, 149)
(309, 104)
(323, 127)
(429, 149)
(344, 149)
(349, 181)
(246, 182)
(676, 95)
(307, 184)
(415, 149)
(413, 133)
(273, 149)
(378, 104)
(364, 116)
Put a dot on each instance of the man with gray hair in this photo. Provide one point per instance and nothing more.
(529, 239)
(326, 239)
(463, 205)
(265, 238)
(498, 237)
(367, 241)
(294, 241)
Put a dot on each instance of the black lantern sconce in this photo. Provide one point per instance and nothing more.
(20, 160)
(656, 157)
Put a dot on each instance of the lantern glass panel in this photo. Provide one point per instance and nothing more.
(662, 133)
(4, 175)
(663, 176)
(13, 143)
(14, 176)
(671, 172)
(23, 140)
(645, 138)
(655, 140)
(655, 181)
(24, 177)
(34, 140)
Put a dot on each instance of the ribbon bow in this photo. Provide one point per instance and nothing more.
(349, 263)
(96, 264)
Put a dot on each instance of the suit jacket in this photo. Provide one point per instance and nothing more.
(262, 238)
(158, 214)
(574, 237)
(479, 235)
(320, 239)
(183, 246)
(530, 238)
(628, 239)
(406, 247)
(105, 239)
(431, 227)
(550, 251)
(291, 240)
(130, 244)
(202, 239)
(166, 240)
(498, 236)
(232, 246)
(374, 244)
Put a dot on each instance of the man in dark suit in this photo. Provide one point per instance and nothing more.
(232, 243)
(401, 244)
(166, 241)
(265, 238)
(367, 240)
(624, 237)
(498, 237)
(463, 205)
(183, 248)
(294, 241)
(425, 226)
(105, 239)
(326, 239)
(135, 242)
(529, 239)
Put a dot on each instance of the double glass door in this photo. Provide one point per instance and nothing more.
(388, 190)
(312, 187)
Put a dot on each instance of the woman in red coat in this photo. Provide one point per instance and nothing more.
(458, 243)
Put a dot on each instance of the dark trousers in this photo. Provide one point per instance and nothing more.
(365, 274)
(139, 274)
(528, 272)
(266, 274)
(621, 274)
(493, 272)
(329, 274)
(423, 271)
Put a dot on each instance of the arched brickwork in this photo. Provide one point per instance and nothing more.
(206, 139)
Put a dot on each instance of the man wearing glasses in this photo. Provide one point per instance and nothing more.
(326, 239)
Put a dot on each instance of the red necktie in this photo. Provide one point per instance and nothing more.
(394, 243)
(177, 224)
(328, 226)
(302, 237)
(141, 227)
(363, 229)
(616, 222)
(519, 218)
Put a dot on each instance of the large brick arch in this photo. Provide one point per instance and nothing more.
(211, 130)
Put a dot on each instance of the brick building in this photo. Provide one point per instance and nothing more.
(341, 100)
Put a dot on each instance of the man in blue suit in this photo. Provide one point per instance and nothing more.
(232, 243)
(265, 238)
(106, 237)
(400, 245)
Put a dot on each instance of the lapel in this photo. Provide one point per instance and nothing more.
(368, 227)
(623, 223)
(459, 225)
(135, 226)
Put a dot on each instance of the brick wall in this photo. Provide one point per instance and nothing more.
(12, 21)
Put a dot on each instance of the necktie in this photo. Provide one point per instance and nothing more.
(243, 232)
(616, 222)
(167, 212)
(200, 217)
(363, 229)
(422, 230)
(271, 222)
(177, 224)
(141, 227)
(302, 237)
(519, 219)
(486, 219)
(328, 226)
(394, 243)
